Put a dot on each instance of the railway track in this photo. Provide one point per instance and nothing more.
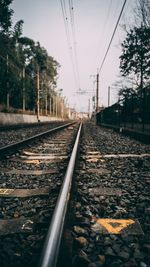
(10, 133)
(108, 218)
(111, 205)
(31, 175)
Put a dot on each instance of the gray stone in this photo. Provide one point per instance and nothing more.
(116, 263)
(78, 205)
(109, 252)
(107, 241)
(133, 246)
(146, 248)
(138, 255)
(92, 264)
(116, 248)
(143, 264)
(83, 221)
(96, 264)
(102, 258)
(81, 260)
(82, 241)
(80, 231)
(147, 211)
(131, 263)
(124, 255)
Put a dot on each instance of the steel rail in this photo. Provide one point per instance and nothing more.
(14, 146)
(51, 247)
(8, 127)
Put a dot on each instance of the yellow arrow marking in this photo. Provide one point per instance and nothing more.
(118, 226)
(5, 191)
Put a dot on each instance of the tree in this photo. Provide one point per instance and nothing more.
(5, 46)
(135, 58)
(142, 13)
(20, 60)
(5, 15)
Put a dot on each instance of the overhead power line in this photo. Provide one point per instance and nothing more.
(71, 40)
(71, 8)
(107, 17)
(112, 36)
(65, 18)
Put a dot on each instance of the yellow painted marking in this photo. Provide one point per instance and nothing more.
(5, 191)
(120, 224)
(26, 225)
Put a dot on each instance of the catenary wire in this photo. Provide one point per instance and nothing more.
(71, 8)
(65, 18)
(112, 36)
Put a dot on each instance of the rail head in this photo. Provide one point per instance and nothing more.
(53, 239)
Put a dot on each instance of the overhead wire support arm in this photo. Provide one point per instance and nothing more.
(112, 36)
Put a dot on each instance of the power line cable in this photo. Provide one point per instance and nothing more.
(71, 41)
(65, 18)
(107, 17)
(71, 8)
(112, 36)
(104, 31)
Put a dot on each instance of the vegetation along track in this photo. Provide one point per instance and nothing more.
(111, 204)
(30, 180)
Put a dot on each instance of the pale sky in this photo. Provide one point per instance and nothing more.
(94, 22)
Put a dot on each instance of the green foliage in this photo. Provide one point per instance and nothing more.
(135, 64)
(5, 15)
(20, 59)
(18, 28)
(135, 58)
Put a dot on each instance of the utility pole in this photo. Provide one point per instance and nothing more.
(53, 105)
(23, 91)
(97, 91)
(50, 105)
(38, 95)
(46, 102)
(7, 85)
(56, 105)
(108, 96)
(89, 108)
(62, 108)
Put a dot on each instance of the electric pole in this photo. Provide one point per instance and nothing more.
(45, 101)
(62, 108)
(56, 105)
(50, 104)
(23, 93)
(53, 105)
(89, 108)
(38, 95)
(97, 91)
(108, 96)
(7, 85)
